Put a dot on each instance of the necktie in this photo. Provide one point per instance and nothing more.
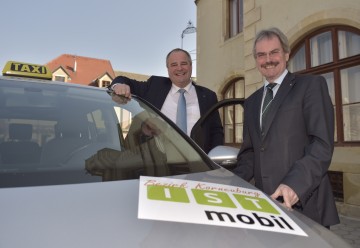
(181, 111)
(267, 101)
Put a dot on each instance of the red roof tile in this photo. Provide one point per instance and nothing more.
(82, 70)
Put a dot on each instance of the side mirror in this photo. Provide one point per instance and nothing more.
(224, 156)
(196, 132)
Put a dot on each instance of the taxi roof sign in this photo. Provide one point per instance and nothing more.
(20, 69)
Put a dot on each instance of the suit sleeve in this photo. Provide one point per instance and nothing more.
(307, 173)
(138, 88)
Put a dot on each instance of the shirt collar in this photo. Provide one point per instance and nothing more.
(174, 88)
(279, 79)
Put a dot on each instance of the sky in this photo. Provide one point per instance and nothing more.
(135, 36)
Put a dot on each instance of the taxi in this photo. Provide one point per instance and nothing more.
(13, 68)
(83, 167)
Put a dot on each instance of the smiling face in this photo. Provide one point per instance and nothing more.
(270, 58)
(179, 68)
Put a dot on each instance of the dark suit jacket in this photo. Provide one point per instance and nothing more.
(155, 91)
(296, 147)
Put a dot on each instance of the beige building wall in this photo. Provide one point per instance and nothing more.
(219, 59)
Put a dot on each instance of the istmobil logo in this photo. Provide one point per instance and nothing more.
(197, 202)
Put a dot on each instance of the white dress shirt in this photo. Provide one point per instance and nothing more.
(192, 105)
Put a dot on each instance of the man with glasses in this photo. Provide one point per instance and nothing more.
(289, 133)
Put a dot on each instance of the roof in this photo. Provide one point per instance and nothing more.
(136, 76)
(82, 70)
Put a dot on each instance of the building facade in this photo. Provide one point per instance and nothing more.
(324, 36)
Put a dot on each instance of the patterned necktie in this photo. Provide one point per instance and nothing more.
(267, 101)
(181, 119)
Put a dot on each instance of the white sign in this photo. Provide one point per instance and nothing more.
(198, 202)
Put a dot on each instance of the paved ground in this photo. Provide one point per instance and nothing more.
(349, 230)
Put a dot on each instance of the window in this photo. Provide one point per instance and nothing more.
(60, 78)
(56, 134)
(298, 60)
(321, 49)
(349, 44)
(350, 91)
(236, 22)
(334, 52)
(233, 115)
(330, 83)
(105, 83)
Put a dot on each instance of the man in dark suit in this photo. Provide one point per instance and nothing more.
(289, 139)
(164, 94)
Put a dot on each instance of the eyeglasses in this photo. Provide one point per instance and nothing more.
(272, 54)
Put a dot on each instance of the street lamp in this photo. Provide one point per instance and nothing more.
(188, 30)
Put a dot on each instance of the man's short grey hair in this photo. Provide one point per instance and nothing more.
(271, 33)
(178, 50)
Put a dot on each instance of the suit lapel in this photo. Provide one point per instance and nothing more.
(202, 99)
(281, 94)
(257, 110)
(160, 92)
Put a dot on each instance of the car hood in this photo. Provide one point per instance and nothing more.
(106, 215)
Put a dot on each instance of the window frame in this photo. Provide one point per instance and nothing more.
(335, 67)
(57, 77)
(232, 86)
(235, 20)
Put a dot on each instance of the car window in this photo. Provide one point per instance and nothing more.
(60, 134)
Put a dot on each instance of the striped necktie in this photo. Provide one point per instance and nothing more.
(267, 101)
(181, 119)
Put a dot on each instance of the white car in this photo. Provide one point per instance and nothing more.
(82, 167)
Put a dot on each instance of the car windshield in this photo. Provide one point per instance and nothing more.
(61, 134)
